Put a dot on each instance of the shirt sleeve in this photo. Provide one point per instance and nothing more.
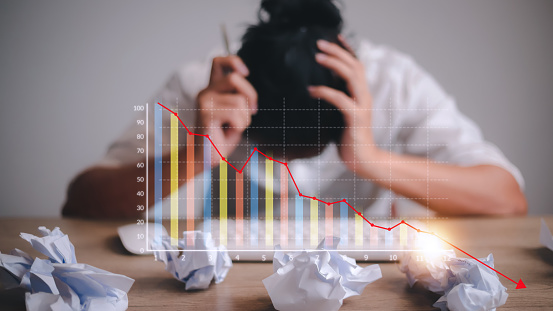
(431, 125)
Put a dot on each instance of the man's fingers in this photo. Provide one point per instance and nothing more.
(224, 64)
(337, 98)
(344, 64)
(342, 70)
(337, 51)
(346, 45)
(236, 83)
(335, 64)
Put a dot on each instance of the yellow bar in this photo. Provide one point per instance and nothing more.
(358, 230)
(269, 201)
(223, 201)
(174, 180)
(314, 222)
(402, 235)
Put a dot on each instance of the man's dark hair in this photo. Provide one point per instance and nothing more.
(280, 54)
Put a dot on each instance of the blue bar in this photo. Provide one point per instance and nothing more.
(299, 221)
(388, 237)
(207, 185)
(343, 224)
(158, 170)
(254, 236)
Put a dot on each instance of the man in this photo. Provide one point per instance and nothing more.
(384, 129)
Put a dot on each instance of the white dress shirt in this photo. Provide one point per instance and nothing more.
(411, 114)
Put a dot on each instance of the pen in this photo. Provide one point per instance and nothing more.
(225, 38)
(226, 71)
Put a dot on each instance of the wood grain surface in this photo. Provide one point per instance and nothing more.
(514, 243)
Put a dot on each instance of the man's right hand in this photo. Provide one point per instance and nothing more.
(227, 104)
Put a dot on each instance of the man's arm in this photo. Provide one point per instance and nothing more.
(447, 189)
(110, 192)
(457, 190)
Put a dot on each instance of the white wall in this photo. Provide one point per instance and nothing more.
(71, 70)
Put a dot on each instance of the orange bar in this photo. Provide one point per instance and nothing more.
(374, 236)
(283, 205)
(190, 187)
(239, 209)
(174, 180)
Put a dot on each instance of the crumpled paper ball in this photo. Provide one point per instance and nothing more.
(474, 286)
(316, 280)
(195, 260)
(432, 272)
(464, 283)
(59, 282)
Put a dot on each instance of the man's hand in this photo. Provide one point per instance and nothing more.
(357, 144)
(227, 104)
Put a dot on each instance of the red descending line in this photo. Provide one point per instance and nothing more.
(520, 284)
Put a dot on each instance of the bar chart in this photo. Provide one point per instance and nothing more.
(246, 220)
(240, 213)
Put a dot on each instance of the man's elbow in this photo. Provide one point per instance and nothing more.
(101, 193)
(76, 201)
(86, 197)
(510, 200)
(518, 204)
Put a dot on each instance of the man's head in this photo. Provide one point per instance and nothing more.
(280, 54)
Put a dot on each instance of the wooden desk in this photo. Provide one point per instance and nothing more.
(513, 241)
